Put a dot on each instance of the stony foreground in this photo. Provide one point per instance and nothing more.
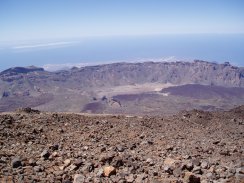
(190, 147)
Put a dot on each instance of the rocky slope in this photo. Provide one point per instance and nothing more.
(189, 147)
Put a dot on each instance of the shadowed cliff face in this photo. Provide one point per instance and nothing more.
(78, 87)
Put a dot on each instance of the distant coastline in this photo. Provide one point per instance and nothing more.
(218, 48)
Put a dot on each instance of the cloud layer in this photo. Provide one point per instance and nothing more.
(66, 66)
(46, 45)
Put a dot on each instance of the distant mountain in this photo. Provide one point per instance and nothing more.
(198, 72)
(20, 70)
(75, 88)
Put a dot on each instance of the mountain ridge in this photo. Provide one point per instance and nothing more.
(197, 72)
(86, 88)
(24, 70)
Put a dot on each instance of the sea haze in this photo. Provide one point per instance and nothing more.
(209, 47)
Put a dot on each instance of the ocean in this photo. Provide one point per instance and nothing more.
(55, 54)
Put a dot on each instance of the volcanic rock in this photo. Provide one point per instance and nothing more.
(191, 178)
(16, 162)
(108, 171)
(187, 161)
(78, 178)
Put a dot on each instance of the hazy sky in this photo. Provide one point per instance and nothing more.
(45, 19)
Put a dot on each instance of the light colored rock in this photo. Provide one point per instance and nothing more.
(204, 165)
(197, 170)
(189, 166)
(130, 178)
(150, 161)
(45, 154)
(240, 170)
(79, 178)
(169, 147)
(67, 162)
(78, 162)
(54, 154)
(169, 161)
(61, 167)
(140, 178)
(37, 169)
(204, 181)
(168, 169)
(32, 162)
(72, 167)
(212, 169)
(209, 175)
(109, 170)
(100, 172)
(177, 172)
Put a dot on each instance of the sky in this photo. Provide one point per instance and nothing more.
(23, 20)
(42, 32)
